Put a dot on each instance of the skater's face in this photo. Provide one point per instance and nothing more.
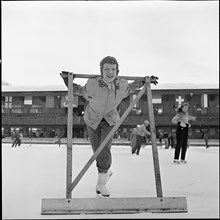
(146, 123)
(109, 72)
(185, 108)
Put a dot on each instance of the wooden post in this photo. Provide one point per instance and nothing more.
(69, 136)
(153, 139)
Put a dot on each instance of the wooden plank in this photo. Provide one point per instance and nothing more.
(105, 141)
(69, 136)
(87, 76)
(154, 140)
(113, 205)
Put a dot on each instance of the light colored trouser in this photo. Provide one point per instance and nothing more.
(104, 159)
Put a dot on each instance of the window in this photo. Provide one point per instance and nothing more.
(16, 109)
(35, 110)
(212, 131)
(197, 130)
(158, 109)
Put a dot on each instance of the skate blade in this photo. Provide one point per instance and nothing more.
(98, 194)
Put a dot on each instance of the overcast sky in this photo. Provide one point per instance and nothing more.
(174, 40)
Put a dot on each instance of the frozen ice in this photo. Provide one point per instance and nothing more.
(31, 173)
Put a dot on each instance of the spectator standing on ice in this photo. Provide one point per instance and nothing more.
(181, 119)
(20, 138)
(160, 138)
(104, 93)
(141, 132)
(173, 139)
(12, 135)
(205, 137)
(133, 138)
(59, 136)
(166, 141)
(30, 136)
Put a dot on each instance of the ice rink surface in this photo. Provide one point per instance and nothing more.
(30, 173)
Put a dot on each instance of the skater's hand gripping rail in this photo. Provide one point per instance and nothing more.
(153, 79)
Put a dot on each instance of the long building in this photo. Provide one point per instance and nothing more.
(42, 110)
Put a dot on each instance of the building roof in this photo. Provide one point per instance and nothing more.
(174, 86)
(34, 88)
(62, 87)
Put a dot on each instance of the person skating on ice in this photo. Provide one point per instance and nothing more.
(181, 119)
(104, 94)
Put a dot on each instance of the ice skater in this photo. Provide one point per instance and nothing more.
(16, 139)
(166, 139)
(20, 138)
(59, 135)
(205, 137)
(160, 138)
(104, 94)
(181, 119)
(141, 132)
(133, 137)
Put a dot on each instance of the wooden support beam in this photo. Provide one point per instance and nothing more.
(113, 205)
(86, 76)
(154, 140)
(69, 136)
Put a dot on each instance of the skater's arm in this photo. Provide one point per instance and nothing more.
(147, 133)
(138, 84)
(77, 89)
(143, 131)
(177, 120)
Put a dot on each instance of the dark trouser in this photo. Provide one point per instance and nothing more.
(172, 142)
(206, 144)
(182, 138)
(104, 159)
(137, 146)
(15, 143)
(166, 141)
(19, 142)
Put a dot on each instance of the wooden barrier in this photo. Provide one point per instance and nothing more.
(111, 205)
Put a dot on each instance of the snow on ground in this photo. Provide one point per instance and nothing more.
(30, 173)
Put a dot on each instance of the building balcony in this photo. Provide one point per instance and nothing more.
(56, 119)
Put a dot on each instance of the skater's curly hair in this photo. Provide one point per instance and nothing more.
(110, 60)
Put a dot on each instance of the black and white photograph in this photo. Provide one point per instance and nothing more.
(110, 109)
